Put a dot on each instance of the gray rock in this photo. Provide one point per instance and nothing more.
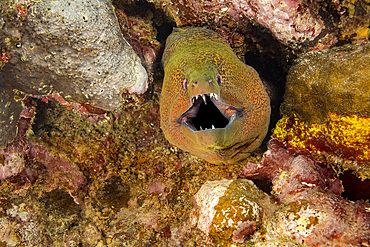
(74, 48)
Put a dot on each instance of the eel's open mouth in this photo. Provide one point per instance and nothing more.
(208, 112)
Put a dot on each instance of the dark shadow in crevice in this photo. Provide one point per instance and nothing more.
(41, 122)
(264, 185)
(133, 7)
(273, 72)
(354, 188)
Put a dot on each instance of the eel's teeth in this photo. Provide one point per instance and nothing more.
(201, 128)
(216, 96)
(213, 127)
(204, 99)
(233, 117)
(211, 95)
(193, 100)
(190, 126)
(196, 97)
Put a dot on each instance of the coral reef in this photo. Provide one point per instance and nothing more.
(355, 25)
(308, 208)
(13, 156)
(314, 213)
(22, 156)
(19, 223)
(104, 174)
(334, 80)
(278, 29)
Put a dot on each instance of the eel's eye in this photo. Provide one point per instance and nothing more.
(185, 84)
(219, 79)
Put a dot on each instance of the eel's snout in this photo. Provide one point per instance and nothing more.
(208, 112)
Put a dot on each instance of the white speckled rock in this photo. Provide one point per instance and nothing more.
(229, 211)
(74, 48)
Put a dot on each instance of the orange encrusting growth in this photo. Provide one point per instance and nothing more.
(345, 136)
(198, 55)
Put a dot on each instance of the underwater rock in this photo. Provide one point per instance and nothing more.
(25, 161)
(229, 211)
(60, 172)
(288, 21)
(11, 163)
(115, 194)
(140, 33)
(314, 213)
(13, 155)
(21, 225)
(159, 188)
(72, 48)
(355, 25)
(335, 80)
(212, 104)
(342, 141)
(10, 111)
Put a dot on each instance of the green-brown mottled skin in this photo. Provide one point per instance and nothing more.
(198, 55)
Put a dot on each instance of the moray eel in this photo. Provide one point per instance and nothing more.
(212, 104)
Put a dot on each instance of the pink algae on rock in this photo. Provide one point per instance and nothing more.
(313, 213)
(288, 21)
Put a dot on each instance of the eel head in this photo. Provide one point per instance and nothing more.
(208, 112)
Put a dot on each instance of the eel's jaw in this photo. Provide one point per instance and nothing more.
(208, 112)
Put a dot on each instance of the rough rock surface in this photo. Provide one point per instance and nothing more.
(113, 180)
(342, 142)
(286, 20)
(69, 47)
(314, 213)
(336, 80)
(10, 110)
(230, 211)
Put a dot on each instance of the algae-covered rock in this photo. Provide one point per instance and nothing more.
(114, 194)
(73, 48)
(343, 141)
(336, 80)
(289, 21)
(313, 212)
(330, 92)
(229, 211)
(10, 111)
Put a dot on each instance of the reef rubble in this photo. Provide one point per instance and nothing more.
(94, 169)
(314, 213)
